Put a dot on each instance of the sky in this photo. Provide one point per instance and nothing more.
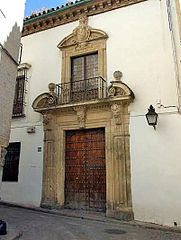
(33, 5)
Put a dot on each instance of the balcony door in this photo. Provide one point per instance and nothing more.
(84, 77)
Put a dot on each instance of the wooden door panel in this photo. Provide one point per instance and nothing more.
(85, 173)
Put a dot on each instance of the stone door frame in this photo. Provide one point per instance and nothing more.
(114, 117)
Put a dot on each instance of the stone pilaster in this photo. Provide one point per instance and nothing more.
(49, 198)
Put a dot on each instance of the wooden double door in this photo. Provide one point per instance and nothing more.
(85, 169)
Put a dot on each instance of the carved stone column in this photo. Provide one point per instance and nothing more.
(122, 201)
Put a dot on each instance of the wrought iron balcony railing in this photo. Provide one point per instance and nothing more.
(82, 90)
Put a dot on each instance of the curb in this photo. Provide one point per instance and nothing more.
(20, 234)
(134, 223)
(16, 236)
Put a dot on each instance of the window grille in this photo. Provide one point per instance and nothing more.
(18, 106)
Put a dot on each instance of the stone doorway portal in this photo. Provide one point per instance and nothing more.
(85, 169)
(105, 117)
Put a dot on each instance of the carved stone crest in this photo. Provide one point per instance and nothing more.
(81, 116)
(82, 32)
(82, 35)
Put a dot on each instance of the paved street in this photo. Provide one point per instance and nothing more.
(44, 226)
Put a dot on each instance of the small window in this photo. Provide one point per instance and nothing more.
(11, 167)
(18, 106)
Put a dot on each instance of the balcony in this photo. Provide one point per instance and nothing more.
(80, 95)
(82, 90)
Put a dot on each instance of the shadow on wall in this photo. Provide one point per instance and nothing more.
(8, 71)
(12, 43)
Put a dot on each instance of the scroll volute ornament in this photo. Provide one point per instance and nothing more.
(53, 96)
(118, 88)
(47, 99)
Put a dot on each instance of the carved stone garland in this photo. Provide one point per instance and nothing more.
(116, 110)
(81, 115)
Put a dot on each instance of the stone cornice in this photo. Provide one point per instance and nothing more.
(71, 13)
(101, 103)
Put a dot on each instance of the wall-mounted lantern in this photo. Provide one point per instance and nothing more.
(152, 117)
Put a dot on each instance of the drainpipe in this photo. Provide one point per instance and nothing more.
(174, 53)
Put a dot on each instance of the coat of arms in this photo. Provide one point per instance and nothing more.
(82, 32)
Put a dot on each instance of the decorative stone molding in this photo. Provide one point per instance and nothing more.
(3, 153)
(110, 113)
(83, 31)
(64, 15)
(24, 66)
(81, 115)
(118, 88)
(53, 96)
(46, 119)
(82, 35)
(83, 40)
(46, 99)
(116, 110)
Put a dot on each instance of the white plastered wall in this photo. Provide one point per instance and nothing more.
(27, 190)
(139, 45)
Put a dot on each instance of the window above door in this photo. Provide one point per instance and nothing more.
(84, 67)
(83, 64)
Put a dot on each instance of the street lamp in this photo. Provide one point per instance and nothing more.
(152, 117)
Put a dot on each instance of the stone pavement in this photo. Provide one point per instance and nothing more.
(35, 225)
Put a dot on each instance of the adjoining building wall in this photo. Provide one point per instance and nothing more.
(8, 72)
(139, 44)
(11, 22)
